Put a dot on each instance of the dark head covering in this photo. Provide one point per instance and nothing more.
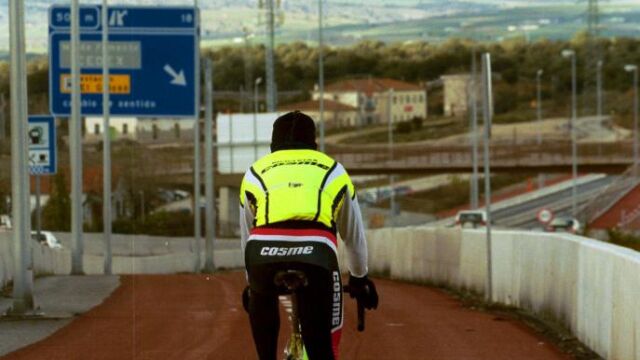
(293, 130)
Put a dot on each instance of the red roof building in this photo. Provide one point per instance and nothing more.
(377, 99)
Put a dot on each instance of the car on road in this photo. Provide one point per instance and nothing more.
(45, 238)
(5, 222)
(473, 218)
(564, 224)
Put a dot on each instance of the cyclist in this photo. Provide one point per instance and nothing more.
(293, 202)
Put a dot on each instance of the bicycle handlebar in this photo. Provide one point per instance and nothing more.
(361, 309)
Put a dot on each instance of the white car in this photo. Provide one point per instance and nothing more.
(46, 239)
(5, 222)
(474, 218)
(564, 224)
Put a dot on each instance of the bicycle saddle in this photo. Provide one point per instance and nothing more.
(290, 279)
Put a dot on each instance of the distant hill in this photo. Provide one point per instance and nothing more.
(350, 21)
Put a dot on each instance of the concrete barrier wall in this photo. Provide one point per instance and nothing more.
(591, 287)
(58, 262)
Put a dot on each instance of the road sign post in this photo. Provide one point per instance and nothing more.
(75, 143)
(41, 137)
(150, 69)
(106, 143)
(22, 293)
(474, 130)
(210, 212)
(487, 107)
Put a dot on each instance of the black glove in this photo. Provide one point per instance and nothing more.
(364, 290)
(245, 299)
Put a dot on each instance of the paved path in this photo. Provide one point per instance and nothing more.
(59, 298)
(200, 317)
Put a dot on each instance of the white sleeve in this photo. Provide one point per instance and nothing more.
(351, 230)
(246, 223)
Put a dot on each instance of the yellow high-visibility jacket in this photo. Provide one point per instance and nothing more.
(303, 185)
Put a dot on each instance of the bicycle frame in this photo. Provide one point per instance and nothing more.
(294, 349)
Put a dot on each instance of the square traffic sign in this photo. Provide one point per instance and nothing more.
(42, 145)
(153, 61)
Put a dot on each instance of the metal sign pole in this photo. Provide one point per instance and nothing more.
(539, 116)
(209, 265)
(3, 107)
(106, 141)
(271, 86)
(38, 208)
(599, 88)
(75, 144)
(231, 143)
(474, 132)
(255, 137)
(255, 117)
(636, 148)
(574, 145)
(392, 198)
(196, 160)
(22, 292)
(321, 74)
(487, 107)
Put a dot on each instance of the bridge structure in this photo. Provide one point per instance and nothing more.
(430, 159)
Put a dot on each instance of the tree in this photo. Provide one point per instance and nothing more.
(56, 214)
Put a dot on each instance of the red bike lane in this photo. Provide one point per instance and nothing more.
(201, 317)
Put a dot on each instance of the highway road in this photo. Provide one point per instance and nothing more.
(524, 215)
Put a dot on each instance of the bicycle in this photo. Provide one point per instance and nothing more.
(291, 281)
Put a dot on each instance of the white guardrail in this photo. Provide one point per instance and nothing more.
(591, 287)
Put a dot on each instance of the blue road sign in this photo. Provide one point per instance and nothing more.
(153, 54)
(42, 145)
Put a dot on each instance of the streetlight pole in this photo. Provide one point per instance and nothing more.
(321, 72)
(75, 145)
(392, 198)
(271, 82)
(599, 88)
(539, 116)
(255, 118)
(487, 109)
(22, 292)
(197, 163)
(475, 197)
(634, 69)
(539, 103)
(567, 53)
(210, 202)
(106, 142)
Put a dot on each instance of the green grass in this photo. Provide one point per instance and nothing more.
(621, 238)
(450, 196)
(432, 129)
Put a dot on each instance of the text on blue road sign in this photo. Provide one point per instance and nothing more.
(153, 57)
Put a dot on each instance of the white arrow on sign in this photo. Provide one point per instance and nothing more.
(178, 78)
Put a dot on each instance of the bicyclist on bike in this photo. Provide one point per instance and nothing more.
(294, 201)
